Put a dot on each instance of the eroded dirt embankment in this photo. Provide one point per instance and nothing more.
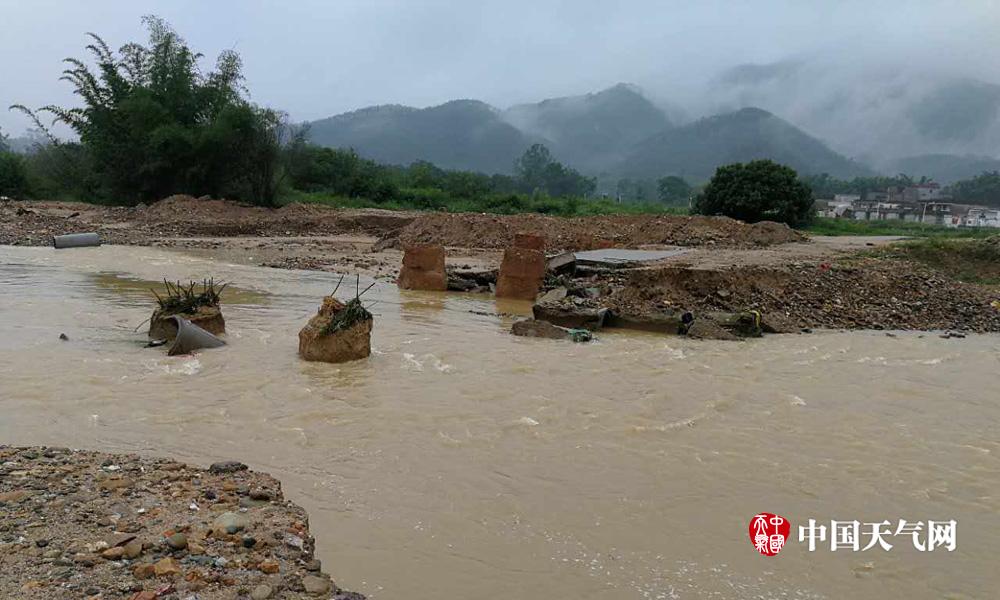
(862, 292)
(77, 524)
(34, 223)
(733, 265)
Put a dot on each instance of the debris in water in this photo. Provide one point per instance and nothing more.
(339, 332)
(544, 329)
(201, 308)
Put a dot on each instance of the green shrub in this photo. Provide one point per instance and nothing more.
(13, 176)
(760, 190)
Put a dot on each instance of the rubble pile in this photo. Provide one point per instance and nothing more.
(93, 525)
(860, 293)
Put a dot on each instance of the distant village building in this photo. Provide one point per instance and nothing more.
(922, 203)
(982, 217)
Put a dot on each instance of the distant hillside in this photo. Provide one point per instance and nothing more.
(591, 132)
(696, 150)
(944, 168)
(461, 134)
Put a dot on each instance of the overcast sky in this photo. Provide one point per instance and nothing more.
(316, 58)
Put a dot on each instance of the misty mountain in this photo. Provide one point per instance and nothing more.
(461, 134)
(694, 151)
(944, 168)
(593, 131)
(870, 111)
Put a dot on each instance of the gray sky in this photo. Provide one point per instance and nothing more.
(314, 58)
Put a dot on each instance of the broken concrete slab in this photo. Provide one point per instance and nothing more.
(570, 315)
(544, 329)
(671, 322)
(553, 295)
(609, 258)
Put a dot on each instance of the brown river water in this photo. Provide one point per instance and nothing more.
(462, 462)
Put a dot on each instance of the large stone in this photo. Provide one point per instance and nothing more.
(227, 466)
(230, 523)
(778, 323)
(706, 329)
(166, 567)
(521, 273)
(316, 586)
(667, 322)
(349, 344)
(209, 318)
(423, 268)
(544, 329)
(570, 315)
(554, 295)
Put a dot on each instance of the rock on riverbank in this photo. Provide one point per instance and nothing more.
(76, 524)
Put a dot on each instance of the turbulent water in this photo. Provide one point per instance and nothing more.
(462, 462)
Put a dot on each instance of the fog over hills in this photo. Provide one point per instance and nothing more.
(461, 134)
(593, 131)
(818, 116)
(614, 132)
(694, 151)
(878, 115)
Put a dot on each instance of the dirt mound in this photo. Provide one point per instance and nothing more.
(580, 233)
(867, 293)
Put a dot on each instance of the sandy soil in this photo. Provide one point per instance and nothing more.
(77, 524)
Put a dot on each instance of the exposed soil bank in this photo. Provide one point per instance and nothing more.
(857, 293)
(34, 223)
(76, 524)
(732, 266)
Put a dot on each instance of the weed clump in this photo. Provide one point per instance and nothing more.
(351, 314)
(181, 299)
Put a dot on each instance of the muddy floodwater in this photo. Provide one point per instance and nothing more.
(462, 462)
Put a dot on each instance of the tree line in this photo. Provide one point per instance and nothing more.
(152, 123)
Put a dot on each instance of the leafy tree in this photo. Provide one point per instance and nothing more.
(673, 190)
(4, 145)
(981, 189)
(760, 190)
(531, 167)
(153, 124)
(339, 172)
(13, 177)
(538, 172)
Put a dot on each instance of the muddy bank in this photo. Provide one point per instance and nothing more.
(860, 292)
(582, 233)
(34, 223)
(77, 524)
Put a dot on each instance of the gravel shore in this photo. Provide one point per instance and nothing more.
(78, 524)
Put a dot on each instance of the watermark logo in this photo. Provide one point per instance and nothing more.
(769, 532)
(861, 537)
